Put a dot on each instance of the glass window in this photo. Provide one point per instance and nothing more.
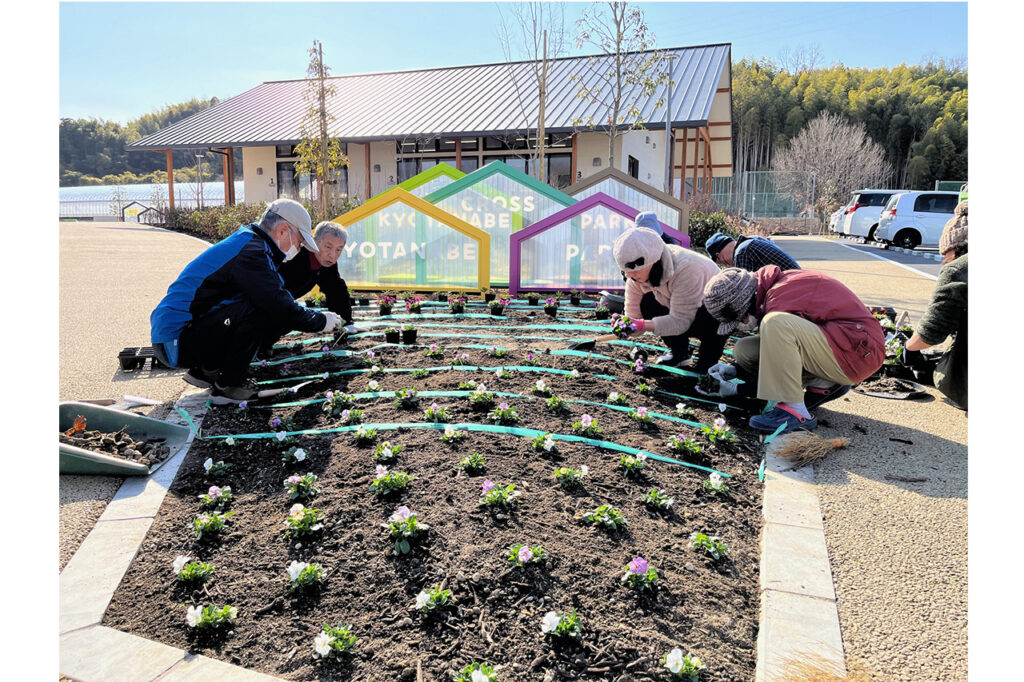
(403, 147)
(285, 150)
(560, 140)
(518, 163)
(426, 145)
(286, 186)
(406, 169)
(470, 144)
(945, 203)
(446, 146)
(491, 142)
(559, 167)
(469, 164)
(634, 167)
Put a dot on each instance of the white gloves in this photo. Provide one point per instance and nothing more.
(723, 371)
(333, 321)
(726, 389)
(352, 329)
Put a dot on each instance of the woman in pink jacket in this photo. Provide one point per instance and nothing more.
(815, 340)
(664, 291)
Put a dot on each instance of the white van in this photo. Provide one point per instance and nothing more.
(913, 219)
(861, 217)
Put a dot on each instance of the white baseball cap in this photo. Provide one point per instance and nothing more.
(297, 215)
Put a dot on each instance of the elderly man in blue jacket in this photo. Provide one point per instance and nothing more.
(232, 296)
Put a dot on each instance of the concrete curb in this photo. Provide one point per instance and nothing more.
(798, 615)
(799, 618)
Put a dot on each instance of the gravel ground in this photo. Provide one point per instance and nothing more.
(898, 548)
(112, 275)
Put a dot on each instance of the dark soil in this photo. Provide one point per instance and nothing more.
(119, 444)
(707, 608)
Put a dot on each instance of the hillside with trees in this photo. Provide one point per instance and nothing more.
(92, 151)
(917, 114)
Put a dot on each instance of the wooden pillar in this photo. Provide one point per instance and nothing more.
(170, 178)
(458, 153)
(671, 160)
(572, 163)
(696, 149)
(369, 188)
(707, 159)
(227, 179)
(682, 170)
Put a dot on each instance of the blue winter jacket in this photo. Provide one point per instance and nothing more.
(242, 267)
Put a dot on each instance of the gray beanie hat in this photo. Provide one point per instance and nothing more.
(727, 297)
(954, 234)
(637, 243)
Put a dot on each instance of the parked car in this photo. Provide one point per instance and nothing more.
(912, 219)
(861, 217)
(833, 221)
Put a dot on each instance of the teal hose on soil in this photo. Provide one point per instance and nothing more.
(463, 394)
(485, 428)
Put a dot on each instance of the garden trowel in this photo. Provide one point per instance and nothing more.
(589, 344)
(271, 392)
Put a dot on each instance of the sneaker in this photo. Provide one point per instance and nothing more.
(673, 360)
(200, 378)
(768, 422)
(815, 397)
(227, 395)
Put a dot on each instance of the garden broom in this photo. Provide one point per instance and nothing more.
(803, 447)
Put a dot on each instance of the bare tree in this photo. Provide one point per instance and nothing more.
(319, 154)
(800, 58)
(534, 33)
(843, 155)
(629, 74)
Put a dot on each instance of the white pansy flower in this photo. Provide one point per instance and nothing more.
(575, 374)
(322, 644)
(716, 479)
(584, 470)
(385, 453)
(541, 386)
(375, 368)
(549, 622)
(449, 430)
(382, 471)
(497, 372)
(296, 568)
(281, 435)
(674, 661)
(421, 600)
(719, 423)
(641, 457)
(549, 443)
(300, 455)
(373, 386)
(479, 676)
(696, 662)
(613, 395)
(232, 612)
(229, 441)
(193, 615)
(325, 375)
(296, 509)
(721, 407)
(208, 464)
(481, 388)
(179, 563)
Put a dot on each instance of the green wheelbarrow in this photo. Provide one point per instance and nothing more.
(76, 460)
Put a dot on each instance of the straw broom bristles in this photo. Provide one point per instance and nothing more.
(815, 668)
(803, 447)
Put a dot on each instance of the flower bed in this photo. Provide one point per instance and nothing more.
(390, 595)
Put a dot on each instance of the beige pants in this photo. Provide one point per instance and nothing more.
(788, 354)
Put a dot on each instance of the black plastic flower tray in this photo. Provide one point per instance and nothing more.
(132, 359)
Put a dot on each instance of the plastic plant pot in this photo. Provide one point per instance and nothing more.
(602, 314)
(364, 301)
(551, 310)
(391, 337)
(443, 298)
(458, 309)
(575, 300)
(533, 301)
(489, 297)
(385, 310)
(409, 336)
(498, 310)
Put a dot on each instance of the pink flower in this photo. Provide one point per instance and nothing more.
(381, 471)
(344, 415)
(641, 412)
(525, 554)
(488, 486)
(214, 491)
(293, 480)
(586, 420)
(503, 406)
(638, 565)
(401, 514)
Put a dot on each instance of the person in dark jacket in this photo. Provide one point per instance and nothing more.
(310, 269)
(649, 220)
(947, 313)
(749, 253)
(815, 340)
(229, 298)
(320, 268)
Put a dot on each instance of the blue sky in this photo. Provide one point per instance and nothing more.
(163, 53)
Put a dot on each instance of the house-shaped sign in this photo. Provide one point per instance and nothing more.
(430, 180)
(500, 200)
(572, 249)
(632, 192)
(399, 241)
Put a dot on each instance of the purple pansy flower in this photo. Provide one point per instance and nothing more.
(638, 565)
(488, 486)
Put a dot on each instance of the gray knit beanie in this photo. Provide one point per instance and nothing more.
(954, 234)
(637, 243)
(727, 297)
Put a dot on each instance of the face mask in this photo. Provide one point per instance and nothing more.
(292, 252)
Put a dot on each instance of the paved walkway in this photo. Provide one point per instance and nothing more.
(112, 275)
(895, 502)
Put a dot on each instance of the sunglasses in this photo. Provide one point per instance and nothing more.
(638, 263)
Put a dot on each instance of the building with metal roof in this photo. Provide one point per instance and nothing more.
(394, 125)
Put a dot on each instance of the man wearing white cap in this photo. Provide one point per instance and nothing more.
(229, 298)
(664, 292)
